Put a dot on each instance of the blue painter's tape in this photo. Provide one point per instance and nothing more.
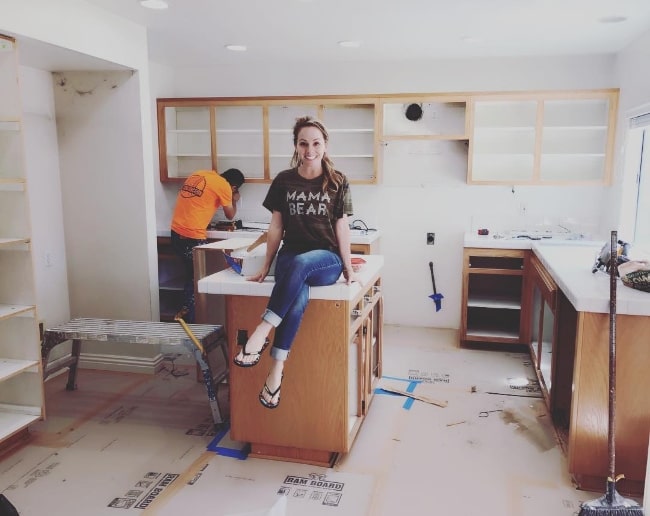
(412, 384)
(213, 446)
(235, 454)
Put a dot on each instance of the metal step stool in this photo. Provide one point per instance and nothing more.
(168, 336)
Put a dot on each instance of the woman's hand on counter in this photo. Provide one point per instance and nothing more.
(259, 277)
(350, 276)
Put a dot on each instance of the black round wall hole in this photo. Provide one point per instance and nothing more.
(414, 112)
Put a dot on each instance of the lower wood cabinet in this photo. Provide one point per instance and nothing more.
(328, 384)
(494, 305)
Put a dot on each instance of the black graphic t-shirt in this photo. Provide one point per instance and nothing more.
(309, 215)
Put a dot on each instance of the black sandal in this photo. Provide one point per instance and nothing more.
(269, 404)
(246, 353)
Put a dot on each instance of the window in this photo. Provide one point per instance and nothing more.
(635, 220)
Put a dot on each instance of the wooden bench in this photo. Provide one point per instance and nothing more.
(168, 336)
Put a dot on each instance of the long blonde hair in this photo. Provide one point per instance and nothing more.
(331, 177)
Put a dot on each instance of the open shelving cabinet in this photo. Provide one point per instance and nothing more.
(21, 378)
(254, 135)
(546, 138)
(494, 306)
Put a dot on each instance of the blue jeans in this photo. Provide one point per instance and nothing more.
(294, 274)
(183, 248)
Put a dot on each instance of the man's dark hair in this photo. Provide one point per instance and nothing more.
(234, 177)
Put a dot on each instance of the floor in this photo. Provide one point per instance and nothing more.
(126, 443)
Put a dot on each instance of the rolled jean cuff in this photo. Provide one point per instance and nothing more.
(271, 318)
(279, 354)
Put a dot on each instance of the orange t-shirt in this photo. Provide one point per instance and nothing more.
(199, 197)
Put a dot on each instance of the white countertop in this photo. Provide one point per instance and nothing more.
(490, 242)
(229, 282)
(570, 266)
(357, 236)
(569, 263)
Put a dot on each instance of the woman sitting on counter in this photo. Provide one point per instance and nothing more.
(310, 204)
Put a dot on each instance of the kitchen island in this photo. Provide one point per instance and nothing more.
(329, 377)
(569, 343)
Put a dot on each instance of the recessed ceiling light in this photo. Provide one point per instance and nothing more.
(612, 19)
(236, 48)
(154, 4)
(350, 44)
(470, 40)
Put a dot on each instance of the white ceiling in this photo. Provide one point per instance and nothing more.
(194, 32)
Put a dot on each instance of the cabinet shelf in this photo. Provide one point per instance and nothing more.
(444, 137)
(10, 125)
(10, 367)
(12, 241)
(172, 284)
(219, 155)
(494, 301)
(486, 128)
(12, 422)
(7, 311)
(575, 127)
(12, 184)
(188, 131)
(491, 333)
(196, 155)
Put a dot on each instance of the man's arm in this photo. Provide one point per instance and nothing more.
(231, 211)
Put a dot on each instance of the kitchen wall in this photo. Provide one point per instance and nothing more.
(421, 194)
(404, 212)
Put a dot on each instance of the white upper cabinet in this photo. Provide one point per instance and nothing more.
(543, 138)
(188, 140)
(574, 140)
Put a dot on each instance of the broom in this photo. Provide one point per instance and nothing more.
(612, 503)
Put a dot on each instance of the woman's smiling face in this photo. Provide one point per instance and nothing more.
(311, 145)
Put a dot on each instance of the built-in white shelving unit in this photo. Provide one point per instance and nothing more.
(21, 384)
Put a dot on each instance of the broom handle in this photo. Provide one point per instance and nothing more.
(611, 434)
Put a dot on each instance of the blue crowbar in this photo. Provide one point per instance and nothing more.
(437, 298)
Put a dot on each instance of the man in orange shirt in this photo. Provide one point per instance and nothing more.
(202, 194)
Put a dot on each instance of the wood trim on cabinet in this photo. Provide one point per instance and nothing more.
(162, 142)
(213, 136)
